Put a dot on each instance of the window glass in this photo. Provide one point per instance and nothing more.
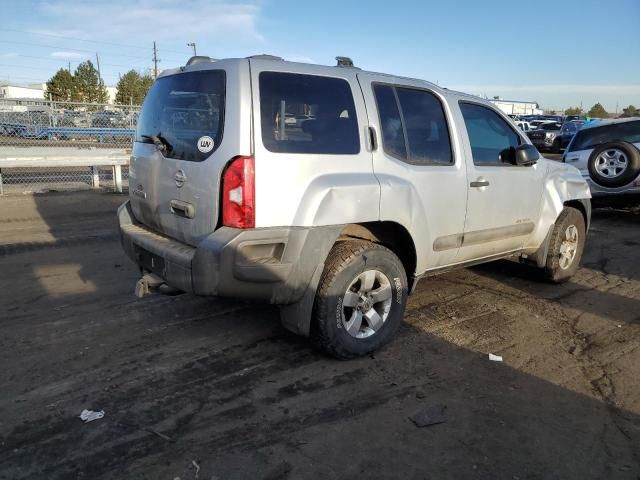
(592, 137)
(181, 109)
(419, 135)
(426, 127)
(492, 140)
(390, 123)
(307, 114)
(569, 128)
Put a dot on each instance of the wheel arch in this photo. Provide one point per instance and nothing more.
(392, 235)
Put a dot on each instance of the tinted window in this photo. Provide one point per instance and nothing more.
(592, 137)
(307, 114)
(569, 128)
(551, 126)
(181, 109)
(413, 125)
(492, 140)
(393, 140)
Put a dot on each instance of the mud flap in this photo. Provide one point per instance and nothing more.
(297, 317)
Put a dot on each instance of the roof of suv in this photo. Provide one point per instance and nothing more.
(613, 121)
(203, 64)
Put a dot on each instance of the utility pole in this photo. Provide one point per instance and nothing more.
(155, 61)
(69, 67)
(98, 65)
(192, 45)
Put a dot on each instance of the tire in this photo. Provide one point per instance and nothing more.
(557, 146)
(566, 246)
(614, 164)
(358, 267)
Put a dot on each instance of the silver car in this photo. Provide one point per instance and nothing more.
(335, 218)
(607, 153)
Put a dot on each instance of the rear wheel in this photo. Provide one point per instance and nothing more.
(567, 245)
(361, 299)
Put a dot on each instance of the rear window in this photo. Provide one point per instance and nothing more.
(307, 114)
(186, 113)
(592, 137)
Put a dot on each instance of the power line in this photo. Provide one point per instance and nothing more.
(85, 40)
(70, 48)
(63, 60)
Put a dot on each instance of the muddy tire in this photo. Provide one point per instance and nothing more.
(566, 246)
(360, 300)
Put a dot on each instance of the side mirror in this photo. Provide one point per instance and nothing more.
(526, 155)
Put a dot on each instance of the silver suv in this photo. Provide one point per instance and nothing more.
(331, 191)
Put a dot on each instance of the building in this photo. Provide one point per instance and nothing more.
(517, 107)
(9, 90)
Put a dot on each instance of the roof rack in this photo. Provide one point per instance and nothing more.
(199, 59)
(264, 56)
(344, 62)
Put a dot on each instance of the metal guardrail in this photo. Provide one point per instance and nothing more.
(64, 146)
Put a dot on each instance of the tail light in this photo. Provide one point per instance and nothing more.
(238, 193)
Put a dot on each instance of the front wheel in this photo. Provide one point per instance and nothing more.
(360, 300)
(567, 245)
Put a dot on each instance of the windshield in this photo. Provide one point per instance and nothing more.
(550, 126)
(186, 112)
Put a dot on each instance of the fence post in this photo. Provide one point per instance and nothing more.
(117, 178)
(95, 177)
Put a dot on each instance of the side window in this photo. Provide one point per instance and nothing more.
(390, 123)
(492, 139)
(307, 114)
(414, 128)
(629, 132)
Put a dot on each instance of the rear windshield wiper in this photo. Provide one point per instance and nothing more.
(159, 141)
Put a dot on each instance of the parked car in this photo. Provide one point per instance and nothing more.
(547, 136)
(575, 118)
(608, 157)
(109, 119)
(535, 124)
(524, 126)
(394, 179)
(568, 130)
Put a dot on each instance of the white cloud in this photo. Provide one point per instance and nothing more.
(8, 55)
(69, 55)
(147, 20)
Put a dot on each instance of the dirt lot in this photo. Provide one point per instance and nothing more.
(216, 389)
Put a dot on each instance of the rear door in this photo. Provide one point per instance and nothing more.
(419, 165)
(189, 128)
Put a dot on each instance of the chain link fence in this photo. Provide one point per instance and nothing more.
(55, 138)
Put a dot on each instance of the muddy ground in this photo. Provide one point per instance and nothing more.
(216, 389)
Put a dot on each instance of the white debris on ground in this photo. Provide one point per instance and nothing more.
(89, 415)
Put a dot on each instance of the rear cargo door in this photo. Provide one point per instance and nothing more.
(187, 132)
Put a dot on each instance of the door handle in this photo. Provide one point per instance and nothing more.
(479, 183)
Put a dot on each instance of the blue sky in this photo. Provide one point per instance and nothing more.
(559, 53)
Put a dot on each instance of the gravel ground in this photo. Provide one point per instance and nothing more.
(215, 388)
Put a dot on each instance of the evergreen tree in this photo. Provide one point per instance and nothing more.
(132, 88)
(597, 111)
(61, 87)
(574, 111)
(630, 111)
(91, 89)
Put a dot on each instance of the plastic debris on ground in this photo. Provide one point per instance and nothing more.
(495, 358)
(89, 415)
(428, 416)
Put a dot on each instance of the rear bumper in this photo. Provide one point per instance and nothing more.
(598, 191)
(273, 264)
